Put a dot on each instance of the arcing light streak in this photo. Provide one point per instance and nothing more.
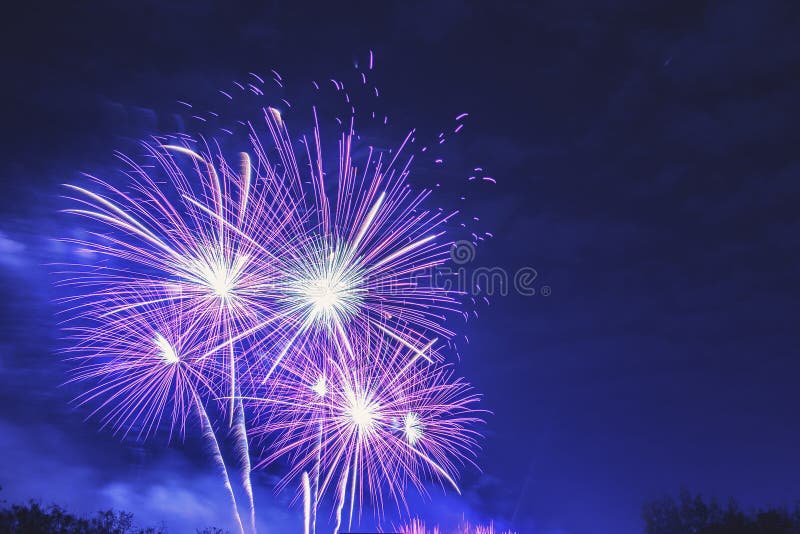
(211, 438)
(244, 459)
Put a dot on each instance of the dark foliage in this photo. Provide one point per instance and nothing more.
(692, 515)
(33, 518)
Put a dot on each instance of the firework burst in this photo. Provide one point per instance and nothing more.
(353, 253)
(166, 246)
(147, 369)
(272, 280)
(368, 426)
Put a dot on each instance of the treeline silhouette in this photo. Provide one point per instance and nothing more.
(686, 514)
(33, 518)
(691, 514)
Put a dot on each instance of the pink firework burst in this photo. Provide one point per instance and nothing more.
(358, 251)
(148, 368)
(305, 288)
(367, 426)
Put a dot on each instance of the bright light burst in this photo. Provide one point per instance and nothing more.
(329, 290)
(356, 253)
(307, 293)
(384, 420)
(146, 369)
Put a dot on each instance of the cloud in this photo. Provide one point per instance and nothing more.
(46, 463)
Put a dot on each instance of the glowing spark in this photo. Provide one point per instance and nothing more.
(412, 427)
(320, 387)
(208, 433)
(166, 351)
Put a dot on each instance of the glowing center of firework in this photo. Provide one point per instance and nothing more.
(412, 427)
(215, 274)
(363, 412)
(321, 386)
(219, 279)
(331, 296)
(327, 285)
(165, 350)
(325, 294)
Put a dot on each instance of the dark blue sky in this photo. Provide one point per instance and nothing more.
(647, 163)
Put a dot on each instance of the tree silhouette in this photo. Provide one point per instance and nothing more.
(33, 518)
(692, 515)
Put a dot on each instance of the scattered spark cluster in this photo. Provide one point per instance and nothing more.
(417, 526)
(292, 303)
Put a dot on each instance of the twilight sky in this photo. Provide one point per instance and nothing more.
(646, 155)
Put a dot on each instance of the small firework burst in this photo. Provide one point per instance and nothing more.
(368, 425)
(145, 369)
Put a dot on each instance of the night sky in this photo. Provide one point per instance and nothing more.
(646, 155)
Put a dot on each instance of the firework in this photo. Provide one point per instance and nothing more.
(352, 253)
(268, 278)
(160, 236)
(371, 425)
(147, 368)
(177, 236)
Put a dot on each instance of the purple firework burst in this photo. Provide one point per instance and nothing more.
(308, 293)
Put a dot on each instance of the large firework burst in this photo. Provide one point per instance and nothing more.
(304, 288)
(349, 253)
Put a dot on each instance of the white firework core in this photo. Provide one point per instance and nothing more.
(219, 280)
(321, 386)
(325, 295)
(215, 274)
(412, 427)
(329, 286)
(165, 350)
(363, 413)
